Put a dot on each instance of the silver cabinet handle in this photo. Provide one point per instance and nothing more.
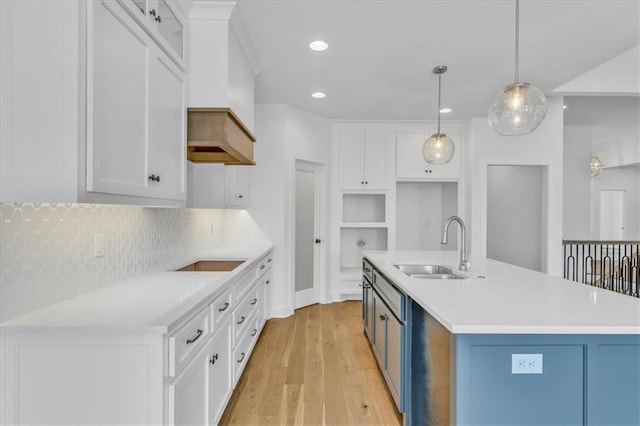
(241, 320)
(383, 317)
(224, 308)
(241, 358)
(196, 337)
(152, 12)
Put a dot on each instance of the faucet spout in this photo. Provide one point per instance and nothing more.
(464, 256)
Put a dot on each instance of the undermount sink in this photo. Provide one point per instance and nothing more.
(430, 272)
(212, 265)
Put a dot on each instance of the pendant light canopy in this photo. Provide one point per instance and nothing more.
(439, 148)
(520, 107)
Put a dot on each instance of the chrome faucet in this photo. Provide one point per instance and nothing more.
(464, 256)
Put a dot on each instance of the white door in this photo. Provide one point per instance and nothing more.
(612, 215)
(308, 239)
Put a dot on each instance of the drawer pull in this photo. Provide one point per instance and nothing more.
(383, 317)
(269, 261)
(267, 282)
(241, 357)
(262, 266)
(241, 320)
(255, 330)
(254, 301)
(197, 336)
(367, 269)
(224, 308)
(213, 359)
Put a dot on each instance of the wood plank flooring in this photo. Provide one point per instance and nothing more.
(313, 368)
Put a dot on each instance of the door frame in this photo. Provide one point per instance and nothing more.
(320, 227)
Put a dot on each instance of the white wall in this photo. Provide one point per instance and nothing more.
(577, 183)
(542, 147)
(284, 135)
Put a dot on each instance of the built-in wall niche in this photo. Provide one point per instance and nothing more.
(363, 208)
(353, 241)
(421, 211)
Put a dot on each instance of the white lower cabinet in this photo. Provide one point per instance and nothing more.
(220, 384)
(120, 377)
(188, 394)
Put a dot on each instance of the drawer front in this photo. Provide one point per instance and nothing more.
(390, 294)
(187, 341)
(248, 306)
(241, 352)
(264, 264)
(221, 308)
(241, 288)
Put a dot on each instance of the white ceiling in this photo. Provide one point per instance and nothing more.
(381, 53)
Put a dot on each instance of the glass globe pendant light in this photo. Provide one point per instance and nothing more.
(520, 107)
(439, 148)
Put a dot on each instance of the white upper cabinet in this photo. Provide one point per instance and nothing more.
(165, 23)
(135, 110)
(111, 126)
(39, 101)
(363, 159)
(237, 186)
(410, 164)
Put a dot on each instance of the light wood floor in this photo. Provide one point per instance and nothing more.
(313, 368)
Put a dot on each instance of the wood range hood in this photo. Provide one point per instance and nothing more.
(216, 135)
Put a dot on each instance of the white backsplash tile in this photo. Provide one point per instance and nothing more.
(47, 253)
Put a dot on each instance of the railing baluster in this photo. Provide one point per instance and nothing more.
(611, 265)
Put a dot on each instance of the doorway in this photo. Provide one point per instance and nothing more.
(308, 233)
(517, 215)
(612, 215)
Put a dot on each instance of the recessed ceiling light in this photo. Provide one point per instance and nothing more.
(564, 107)
(318, 95)
(445, 110)
(318, 45)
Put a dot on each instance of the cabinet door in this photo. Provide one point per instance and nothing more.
(410, 163)
(237, 185)
(351, 149)
(167, 160)
(170, 28)
(117, 77)
(368, 309)
(220, 385)
(188, 394)
(375, 160)
(379, 329)
(394, 356)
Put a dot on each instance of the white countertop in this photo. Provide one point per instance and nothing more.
(147, 303)
(511, 299)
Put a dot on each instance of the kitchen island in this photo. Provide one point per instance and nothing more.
(508, 345)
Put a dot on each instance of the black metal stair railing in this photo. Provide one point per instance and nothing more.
(612, 265)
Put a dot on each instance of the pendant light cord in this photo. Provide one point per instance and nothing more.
(439, 94)
(517, 39)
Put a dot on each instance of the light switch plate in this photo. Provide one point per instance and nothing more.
(526, 363)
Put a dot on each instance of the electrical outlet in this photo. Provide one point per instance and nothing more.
(98, 245)
(526, 363)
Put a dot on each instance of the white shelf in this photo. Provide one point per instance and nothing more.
(351, 272)
(364, 225)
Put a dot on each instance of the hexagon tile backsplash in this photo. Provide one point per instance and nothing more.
(47, 249)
